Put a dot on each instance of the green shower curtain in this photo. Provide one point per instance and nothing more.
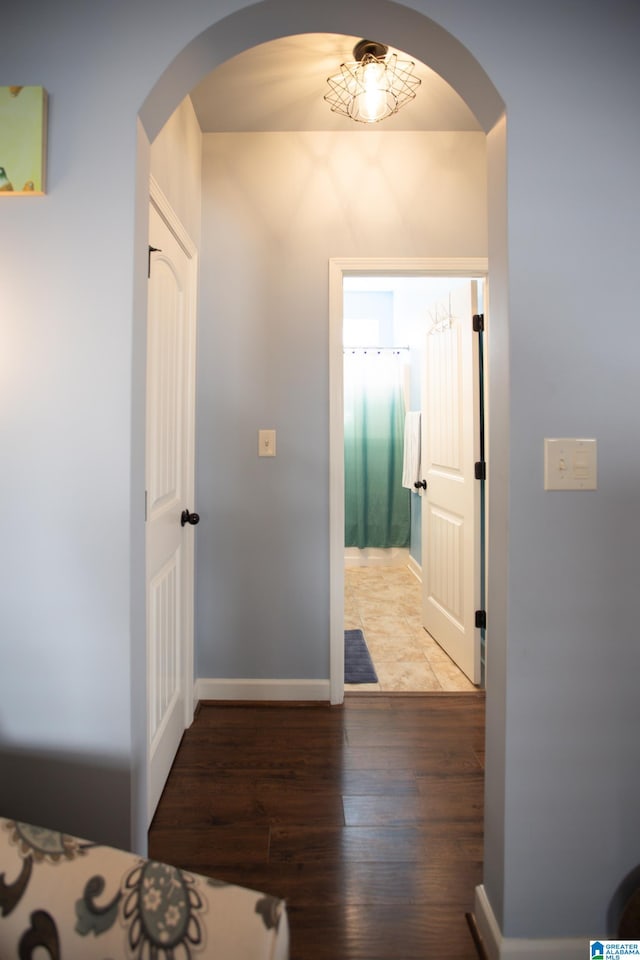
(377, 506)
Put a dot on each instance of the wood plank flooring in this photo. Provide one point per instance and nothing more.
(365, 817)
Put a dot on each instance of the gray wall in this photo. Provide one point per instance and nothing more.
(563, 710)
(276, 208)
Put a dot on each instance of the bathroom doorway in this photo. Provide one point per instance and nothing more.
(385, 319)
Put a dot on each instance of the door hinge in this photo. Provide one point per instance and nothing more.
(151, 250)
(480, 470)
(478, 322)
(481, 619)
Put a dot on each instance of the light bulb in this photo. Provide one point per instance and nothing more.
(373, 102)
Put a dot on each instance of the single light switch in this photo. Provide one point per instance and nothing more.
(266, 443)
(570, 464)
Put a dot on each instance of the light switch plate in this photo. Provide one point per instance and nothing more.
(266, 443)
(570, 464)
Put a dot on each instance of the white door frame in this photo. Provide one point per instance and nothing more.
(338, 269)
(158, 199)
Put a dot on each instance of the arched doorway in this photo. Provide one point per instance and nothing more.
(405, 29)
(424, 39)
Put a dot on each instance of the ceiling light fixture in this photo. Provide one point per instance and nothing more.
(374, 86)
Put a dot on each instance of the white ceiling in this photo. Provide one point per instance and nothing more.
(280, 85)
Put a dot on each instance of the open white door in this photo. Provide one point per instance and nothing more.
(451, 503)
(169, 485)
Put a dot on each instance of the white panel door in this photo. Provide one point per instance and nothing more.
(169, 485)
(451, 502)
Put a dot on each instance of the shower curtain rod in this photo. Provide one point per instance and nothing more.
(379, 349)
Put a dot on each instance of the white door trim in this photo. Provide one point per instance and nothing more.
(168, 214)
(338, 269)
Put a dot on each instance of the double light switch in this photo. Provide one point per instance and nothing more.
(570, 464)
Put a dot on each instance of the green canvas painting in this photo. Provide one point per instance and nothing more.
(23, 127)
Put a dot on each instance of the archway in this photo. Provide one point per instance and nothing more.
(403, 28)
(427, 41)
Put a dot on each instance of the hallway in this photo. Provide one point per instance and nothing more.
(367, 818)
(385, 602)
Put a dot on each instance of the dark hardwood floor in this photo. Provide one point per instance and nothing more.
(366, 817)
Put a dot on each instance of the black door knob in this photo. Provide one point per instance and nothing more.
(420, 483)
(191, 518)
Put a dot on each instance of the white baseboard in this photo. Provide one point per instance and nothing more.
(518, 948)
(212, 689)
(415, 568)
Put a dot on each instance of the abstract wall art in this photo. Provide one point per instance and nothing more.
(23, 141)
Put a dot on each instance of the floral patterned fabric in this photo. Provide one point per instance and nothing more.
(76, 900)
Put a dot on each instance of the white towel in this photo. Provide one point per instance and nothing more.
(411, 466)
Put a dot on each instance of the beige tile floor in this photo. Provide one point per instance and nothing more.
(384, 602)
